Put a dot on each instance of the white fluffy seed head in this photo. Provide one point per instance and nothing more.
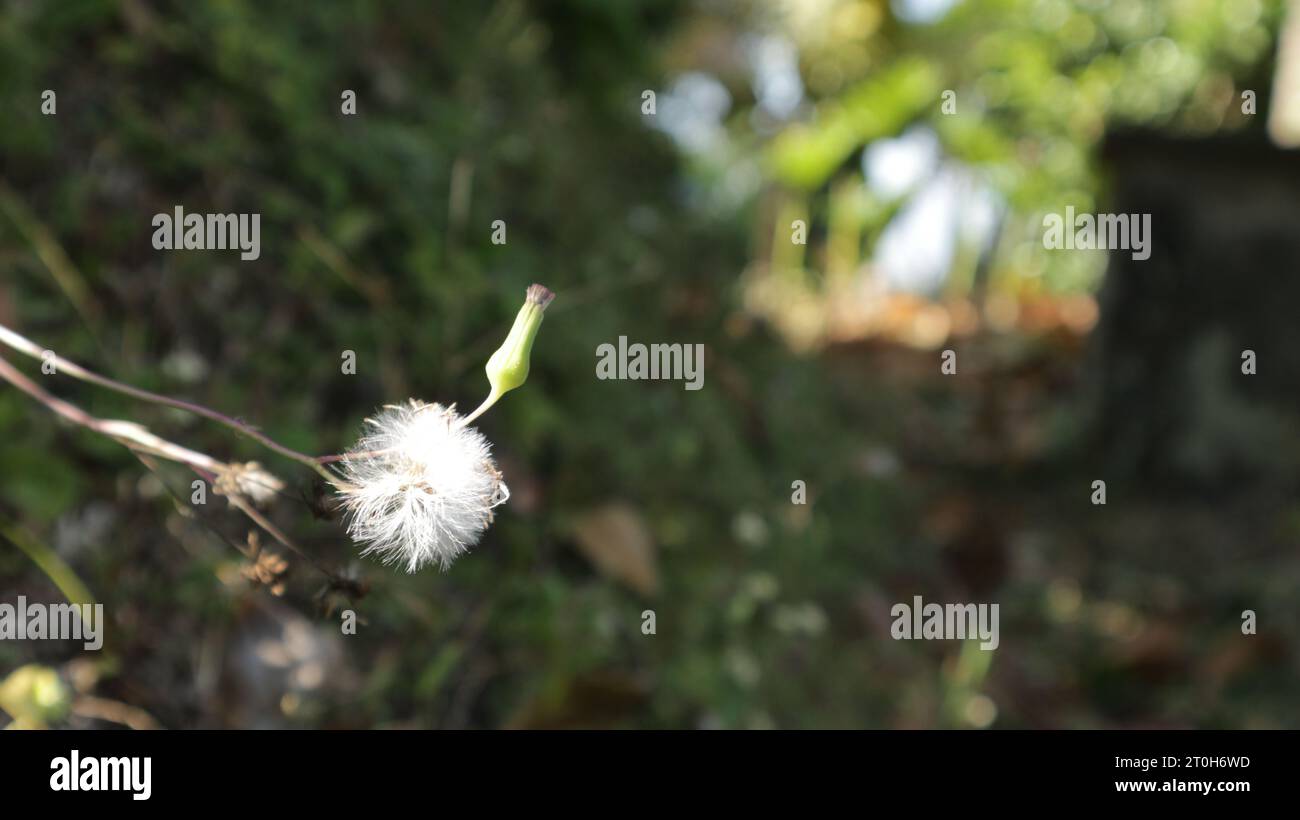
(420, 486)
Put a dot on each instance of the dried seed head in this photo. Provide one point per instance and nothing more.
(420, 486)
(249, 480)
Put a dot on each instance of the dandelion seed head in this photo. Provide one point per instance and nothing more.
(420, 486)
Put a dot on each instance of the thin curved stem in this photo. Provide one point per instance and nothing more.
(144, 443)
(482, 408)
(128, 433)
(30, 348)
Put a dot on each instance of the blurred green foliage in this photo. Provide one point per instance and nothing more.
(376, 238)
(1034, 85)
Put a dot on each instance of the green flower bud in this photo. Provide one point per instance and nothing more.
(508, 366)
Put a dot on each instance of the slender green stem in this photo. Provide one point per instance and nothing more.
(54, 567)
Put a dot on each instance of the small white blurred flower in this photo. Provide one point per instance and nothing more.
(420, 485)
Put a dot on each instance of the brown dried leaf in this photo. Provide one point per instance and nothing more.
(617, 541)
